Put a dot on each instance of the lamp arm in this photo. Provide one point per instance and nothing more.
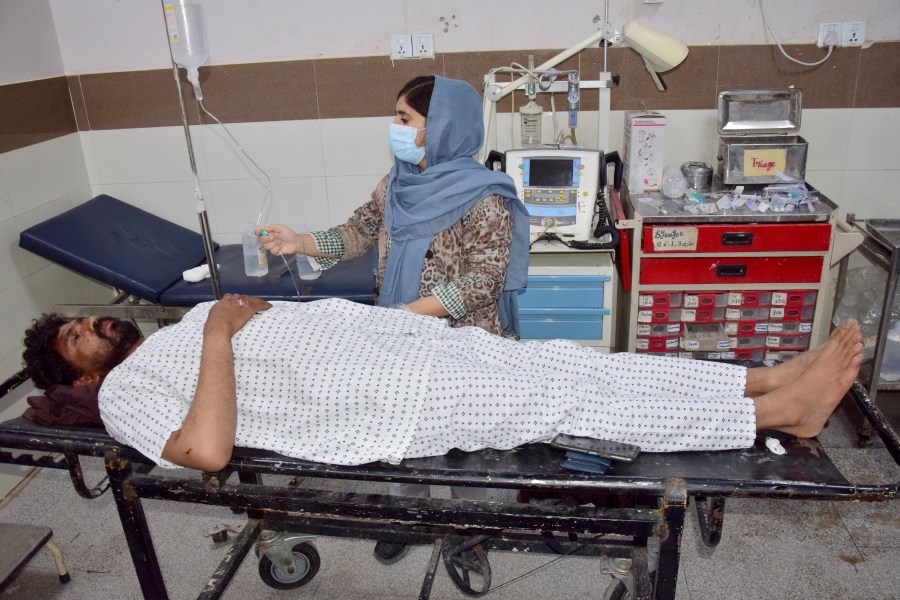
(660, 84)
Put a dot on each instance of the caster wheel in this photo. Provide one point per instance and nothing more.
(616, 590)
(306, 558)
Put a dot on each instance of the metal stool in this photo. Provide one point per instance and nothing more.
(20, 543)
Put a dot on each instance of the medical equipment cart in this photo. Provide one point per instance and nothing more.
(571, 294)
(723, 284)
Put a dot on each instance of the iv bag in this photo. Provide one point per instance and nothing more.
(187, 35)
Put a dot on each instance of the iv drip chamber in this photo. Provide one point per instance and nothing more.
(187, 36)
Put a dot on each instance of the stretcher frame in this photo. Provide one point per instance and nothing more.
(620, 537)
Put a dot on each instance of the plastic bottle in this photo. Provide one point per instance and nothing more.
(256, 263)
(187, 37)
(304, 269)
(531, 123)
(890, 364)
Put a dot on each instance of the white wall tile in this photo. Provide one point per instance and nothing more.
(90, 156)
(173, 201)
(18, 309)
(6, 210)
(43, 172)
(281, 149)
(10, 271)
(874, 141)
(346, 194)
(690, 135)
(828, 132)
(147, 155)
(356, 146)
(871, 194)
(55, 285)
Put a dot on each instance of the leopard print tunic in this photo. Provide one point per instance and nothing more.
(473, 254)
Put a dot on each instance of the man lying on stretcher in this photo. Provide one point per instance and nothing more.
(337, 382)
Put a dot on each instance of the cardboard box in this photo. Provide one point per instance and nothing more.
(645, 136)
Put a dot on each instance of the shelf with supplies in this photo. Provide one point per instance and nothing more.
(571, 294)
(729, 285)
(867, 291)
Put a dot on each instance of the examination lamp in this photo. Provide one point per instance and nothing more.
(661, 52)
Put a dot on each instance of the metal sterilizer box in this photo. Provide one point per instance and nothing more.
(758, 136)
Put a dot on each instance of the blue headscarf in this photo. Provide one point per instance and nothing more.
(421, 204)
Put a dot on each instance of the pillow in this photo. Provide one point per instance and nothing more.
(65, 405)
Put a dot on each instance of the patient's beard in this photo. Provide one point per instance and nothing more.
(122, 337)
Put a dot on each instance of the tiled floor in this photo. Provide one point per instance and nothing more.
(769, 549)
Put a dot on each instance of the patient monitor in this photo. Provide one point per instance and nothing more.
(558, 187)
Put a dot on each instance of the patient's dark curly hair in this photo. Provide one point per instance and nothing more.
(417, 93)
(42, 362)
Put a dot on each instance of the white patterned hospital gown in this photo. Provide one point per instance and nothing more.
(337, 382)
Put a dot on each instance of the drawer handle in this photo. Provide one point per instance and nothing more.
(731, 270)
(737, 238)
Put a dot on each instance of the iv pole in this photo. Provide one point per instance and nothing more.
(198, 192)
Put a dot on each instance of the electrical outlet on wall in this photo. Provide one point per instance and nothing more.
(830, 34)
(853, 33)
(401, 46)
(423, 45)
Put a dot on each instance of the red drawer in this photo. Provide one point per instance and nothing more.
(794, 298)
(657, 344)
(745, 327)
(738, 237)
(731, 270)
(748, 299)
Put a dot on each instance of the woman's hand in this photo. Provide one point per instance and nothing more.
(232, 312)
(280, 239)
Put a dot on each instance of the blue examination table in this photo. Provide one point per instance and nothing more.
(144, 256)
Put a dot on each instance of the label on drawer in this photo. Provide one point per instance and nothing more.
(674, 239)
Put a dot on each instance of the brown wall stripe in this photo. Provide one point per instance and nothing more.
(34, 112)
(366, 86)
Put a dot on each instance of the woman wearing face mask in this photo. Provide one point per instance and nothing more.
(452, 237)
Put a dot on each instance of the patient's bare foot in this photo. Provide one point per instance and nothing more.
(766, 379)
(802, 406)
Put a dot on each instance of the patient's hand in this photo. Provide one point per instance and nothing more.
(232, 312)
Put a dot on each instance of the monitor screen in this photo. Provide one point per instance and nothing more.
(550, 172)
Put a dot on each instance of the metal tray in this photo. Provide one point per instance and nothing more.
(886, 231)
(759, 112)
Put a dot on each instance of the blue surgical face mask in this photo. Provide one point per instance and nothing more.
(403, 143)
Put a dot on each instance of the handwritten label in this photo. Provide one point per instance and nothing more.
(764, 163)
(674, 239)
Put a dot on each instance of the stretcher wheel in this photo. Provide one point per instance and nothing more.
(469, 570)
(616, 589)
(306, 558)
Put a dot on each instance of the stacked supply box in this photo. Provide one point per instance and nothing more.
(645, 135)
(790, 323)
(744, 325)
